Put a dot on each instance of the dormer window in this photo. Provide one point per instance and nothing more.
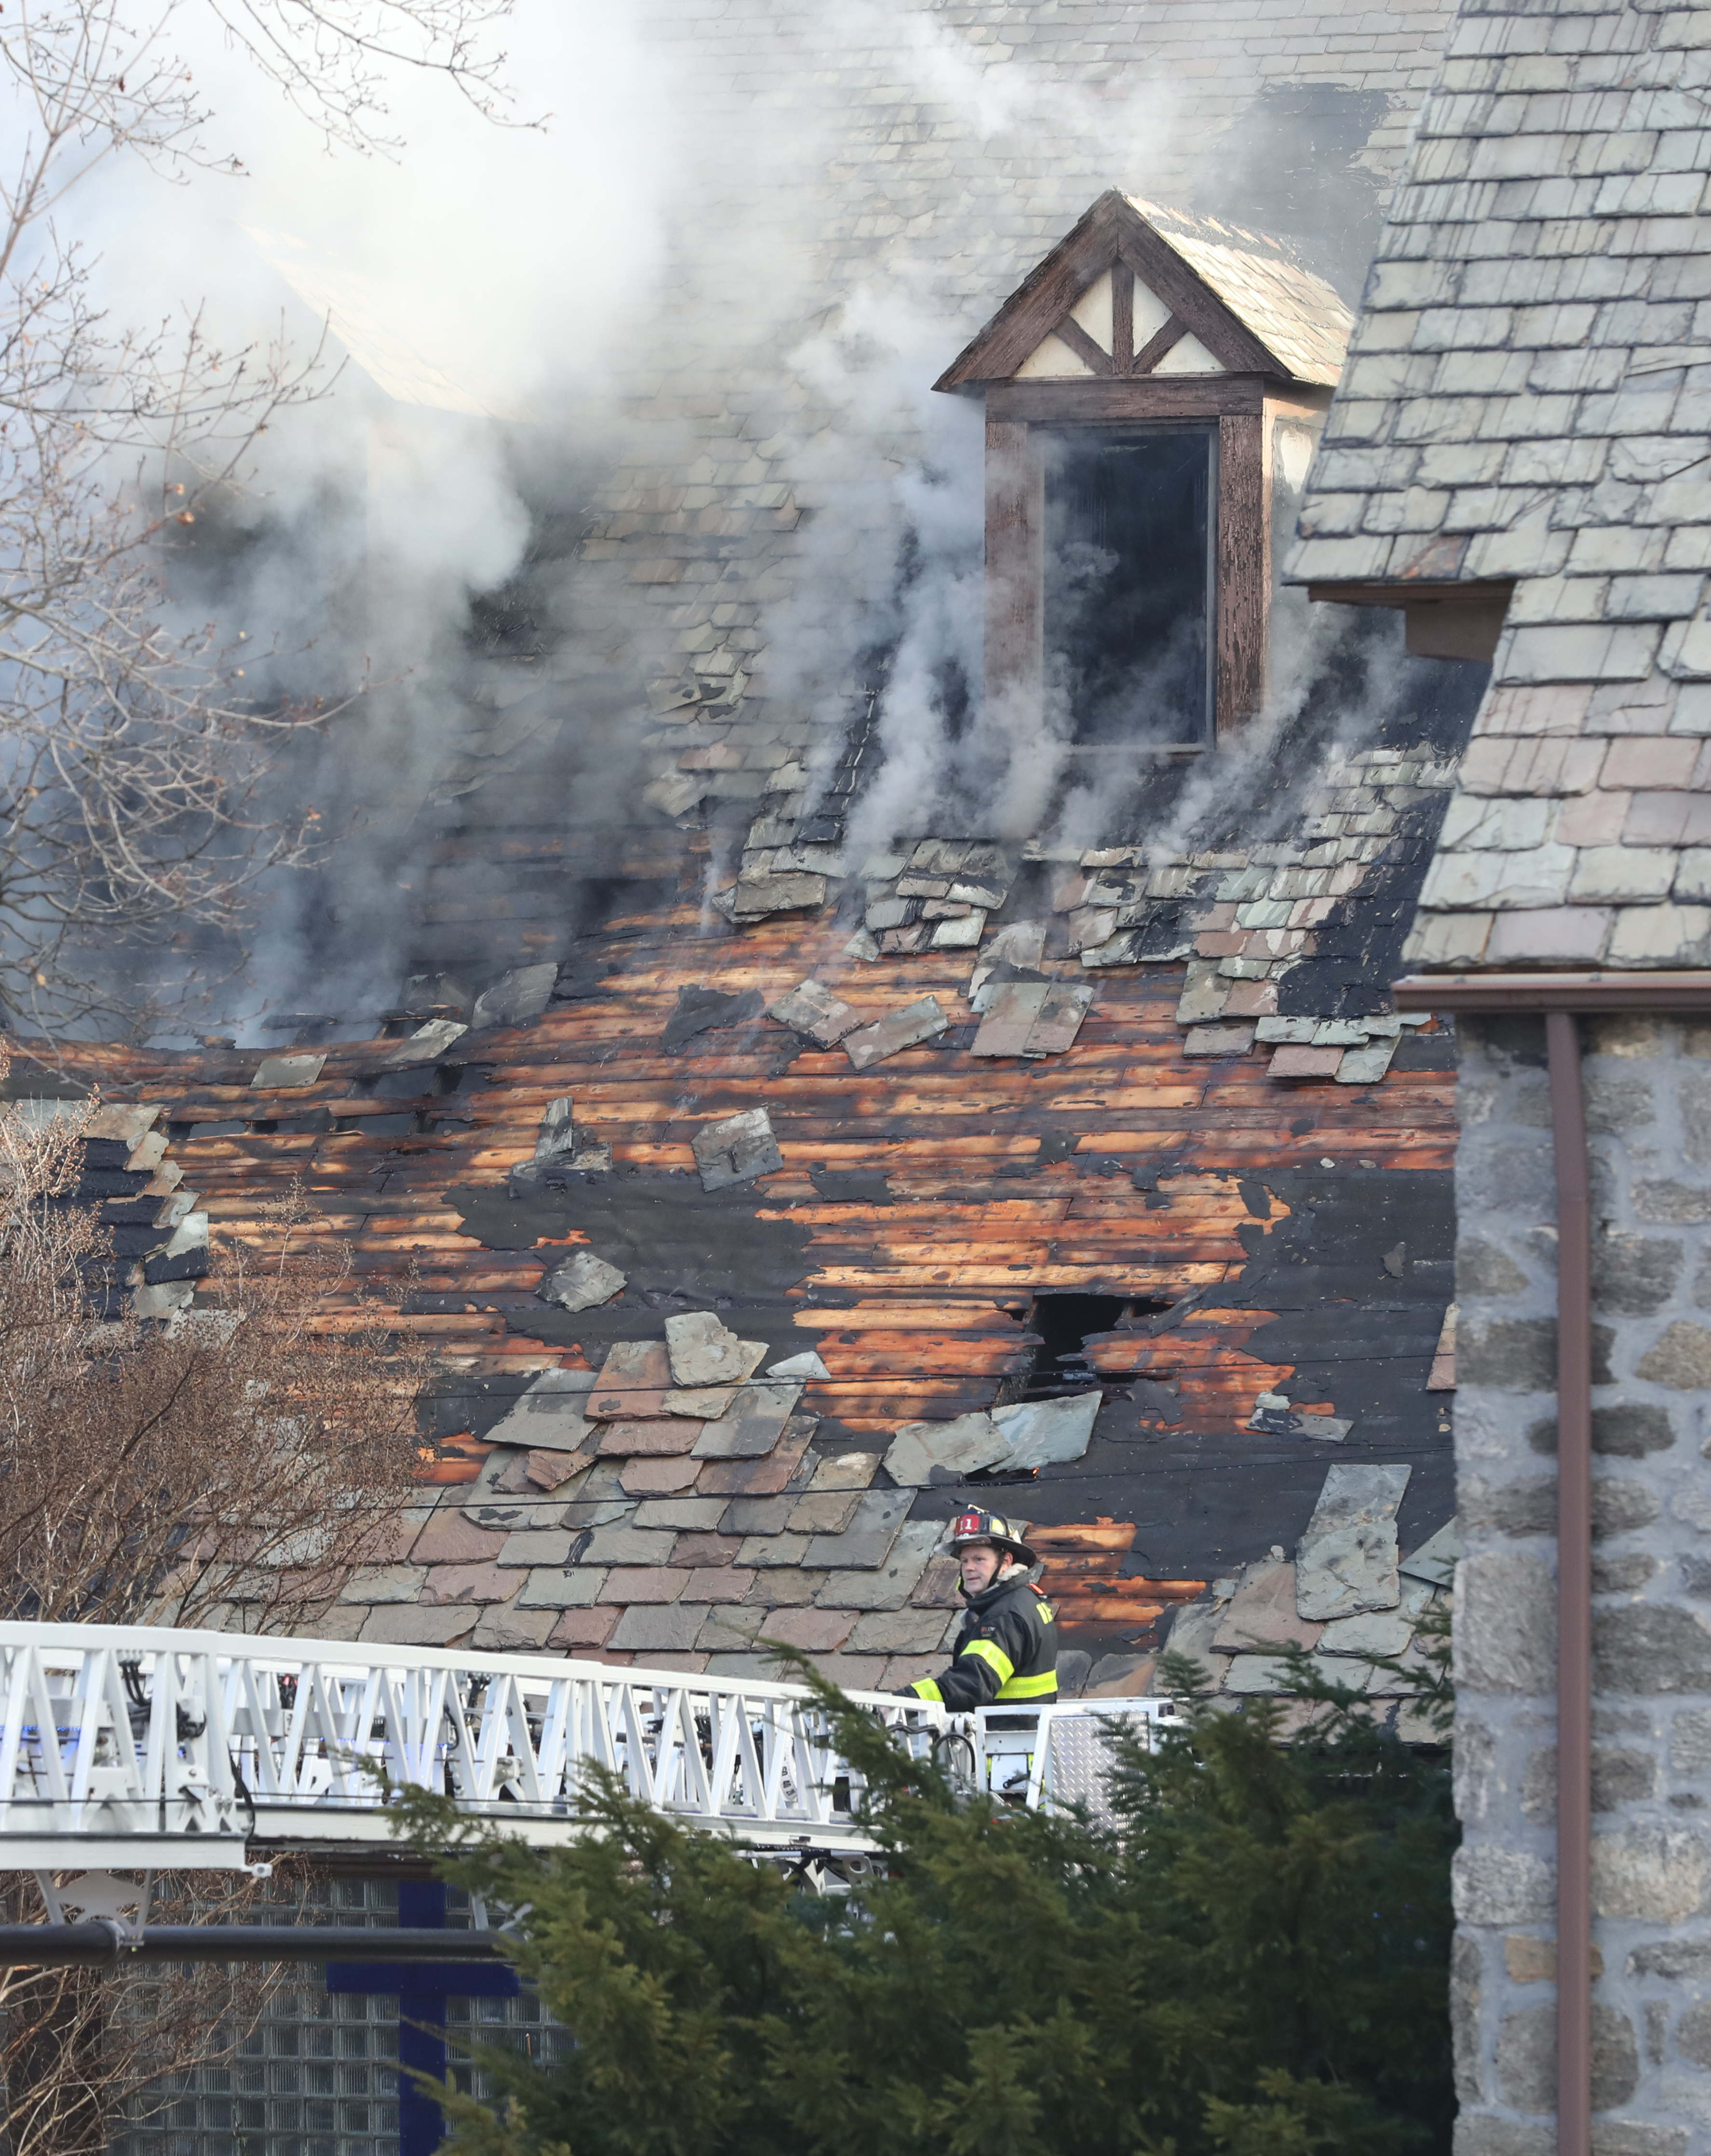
(1144, 389)
(1128, 623)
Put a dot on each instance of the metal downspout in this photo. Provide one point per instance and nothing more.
(1574, 1589)
(1559, 997)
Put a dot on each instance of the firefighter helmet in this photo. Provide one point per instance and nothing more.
(977, 1527)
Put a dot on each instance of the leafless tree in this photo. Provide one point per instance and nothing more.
(231, 1467)
(81, 2050)
(131, 753)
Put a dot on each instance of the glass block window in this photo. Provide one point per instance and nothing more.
(318, 2075)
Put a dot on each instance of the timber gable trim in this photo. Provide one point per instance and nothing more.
(1119, 237)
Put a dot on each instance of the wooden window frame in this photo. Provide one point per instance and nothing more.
(1243, 409)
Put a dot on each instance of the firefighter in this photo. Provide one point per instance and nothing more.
(1007, 1648)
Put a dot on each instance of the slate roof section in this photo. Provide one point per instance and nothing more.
(1528, 397)
(1295, 314)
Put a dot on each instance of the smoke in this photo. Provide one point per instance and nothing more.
(685, 245)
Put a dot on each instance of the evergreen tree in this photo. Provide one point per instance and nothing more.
(1252, 1960)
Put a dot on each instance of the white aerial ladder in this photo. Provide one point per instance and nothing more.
(137, 1748)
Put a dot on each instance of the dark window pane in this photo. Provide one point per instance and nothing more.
(1128, 584)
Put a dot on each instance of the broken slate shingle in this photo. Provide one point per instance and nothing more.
(1040, 1432)
(1346, 1562)
(1017, 948)
(551, 1415)
(922, 1453)
(700, 1009)
(1378, 1632)
(789, 892)
(1275, 1414)
(701, 1403)
(522, 993)
(808, 1364)
(897, 1031)
(426, 1042)
(657, 1437)
(890, 1584)
(753, 1425)
(705, 1352)
(281, 1073)
(736, 1150)
(127, 1125)
(867, 1542)
(1010, 1008)
(1262, 1613)
(634, 1381)
(816, 1013)
(583, 1282)
(845, 1470)
(555, 1148)
(1067, 1003)
(1436, 1559)
(766, 1475)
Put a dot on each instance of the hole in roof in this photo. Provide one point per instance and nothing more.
(1065, 1324)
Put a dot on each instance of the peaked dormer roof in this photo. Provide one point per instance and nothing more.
(1138, 290)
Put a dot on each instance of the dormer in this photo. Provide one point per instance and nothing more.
(1150, 391)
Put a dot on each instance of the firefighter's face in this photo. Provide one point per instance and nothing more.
(979, 1562)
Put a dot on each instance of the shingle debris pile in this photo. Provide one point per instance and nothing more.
(157, 1237)
(1241, 920)
(671, 1506)
(1347, 1596)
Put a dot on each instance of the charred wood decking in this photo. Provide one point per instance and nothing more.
(1283, 1237)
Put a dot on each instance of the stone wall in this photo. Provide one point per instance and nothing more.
(1648, 1085)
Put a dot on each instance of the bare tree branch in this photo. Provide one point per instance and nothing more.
(231, 1467)
(133, 749)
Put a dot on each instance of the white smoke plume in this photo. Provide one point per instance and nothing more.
(501, 292)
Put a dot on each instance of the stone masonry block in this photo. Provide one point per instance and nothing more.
(1655, 1873)
(1494, 1884)
(1525, 2062)
(1647, 1648)
(1680, 1358)
(1505, 1639)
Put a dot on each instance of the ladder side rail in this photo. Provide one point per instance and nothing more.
(629, 1725)
(240, 1706)
(728, 1723)
(521, 1745)
(14, 1757)
(462, 1765)
(154, 1679)
(75, 1734)
(696, 1785)
(38, 1708)
(265, 1696)
(398, 1699)
(813, 1797)
(355, 1782)
(670, 1767)
(214, 1743)
(552, 1750)
(491, 1730)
